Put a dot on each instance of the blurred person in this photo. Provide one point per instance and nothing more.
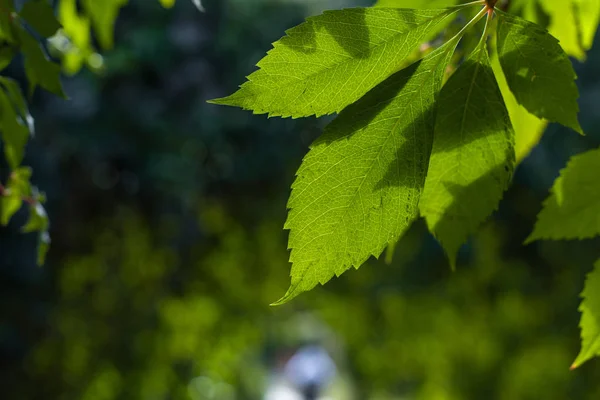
(305, 376)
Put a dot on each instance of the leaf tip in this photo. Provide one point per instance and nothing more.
(530, 239)
(573, 366)
(289, 295)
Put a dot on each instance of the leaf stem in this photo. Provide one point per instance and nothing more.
(470, 24)
(472, 3)
(486, 30)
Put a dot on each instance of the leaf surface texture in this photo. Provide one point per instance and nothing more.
(333, 59)
(473, 154)
(359, 186)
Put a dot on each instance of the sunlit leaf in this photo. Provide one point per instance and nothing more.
(15, 129)
(538, 71)
(332, 60)
(473, 154)
(358, 188)
(590, 318)
(103, 15)
(528, 128)
(573, 209)
(16, 189)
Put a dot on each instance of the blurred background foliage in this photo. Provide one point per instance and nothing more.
(167, 242)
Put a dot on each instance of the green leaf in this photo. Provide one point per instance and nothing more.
(103, 15)
(473, 154)
(573, 209)
(332, 60)
(167, 3)
(38, 219)
(9, 205)
(359, 186)
(590, 318)
(6, 20)
(77, 28)
(564, 25)
(13, 90)
(528, 128)
(15, 123)
(7, 52)
(17, 188)
(38, 68)
(40, 15)
(588, 15)
(538, 71)
(39, 222)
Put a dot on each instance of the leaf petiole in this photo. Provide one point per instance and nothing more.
(486, 30)
(472, 3)
(470, 24)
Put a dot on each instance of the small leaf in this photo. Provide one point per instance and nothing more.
(359, 186)
(590, 318)
(43, 247)
(473, 154)
(7, 52)
(6, 21)
(103, 15)
(9, 204)
(77, 28)
(13, 90)
(573, 209)
(38, 219)
(39, 69)
(15, 130)
(588, 15)
(538, 71)
(16, 189)
(564, 25)
(167, 3)
(332, 60)
(40, 15)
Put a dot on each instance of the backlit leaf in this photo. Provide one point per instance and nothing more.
(103, 15)
(473, 154)
(538, 71)
(332, 60)
(358, 188)
(573, 209)
(528, 128)
(16, 189)
(14, 126)
(590, 318)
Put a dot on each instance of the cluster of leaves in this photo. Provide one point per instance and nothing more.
(415, 136)
(573, 212)
(51, 39)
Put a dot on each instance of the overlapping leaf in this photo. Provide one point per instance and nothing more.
(528, 128)
(359, 186)
(590, 318)
(332, 60)
(473, 154)
(573, 209)
(538, 72)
